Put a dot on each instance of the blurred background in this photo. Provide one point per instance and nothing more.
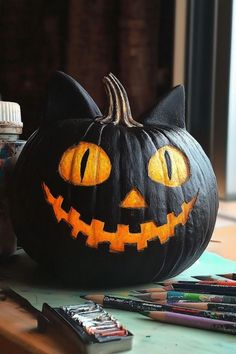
(86, 39)
(149, 45)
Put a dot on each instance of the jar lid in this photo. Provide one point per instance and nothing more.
(10, 118)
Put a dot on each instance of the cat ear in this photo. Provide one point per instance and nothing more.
(67, 99)
(170, 111)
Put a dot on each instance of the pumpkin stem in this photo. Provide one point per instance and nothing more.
(119, 109)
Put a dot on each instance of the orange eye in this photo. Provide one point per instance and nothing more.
(85, 164)
(169, 166)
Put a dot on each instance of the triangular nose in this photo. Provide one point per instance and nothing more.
(133, 199)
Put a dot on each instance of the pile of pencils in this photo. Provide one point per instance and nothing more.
(207, 303)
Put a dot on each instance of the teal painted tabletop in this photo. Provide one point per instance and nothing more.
(150, 337)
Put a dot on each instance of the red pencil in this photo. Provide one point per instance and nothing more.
(167, 285)
(210, 282)
(196, 287)
(206, 277)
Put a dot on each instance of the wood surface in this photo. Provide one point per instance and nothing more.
(19, 334)
(223, 242)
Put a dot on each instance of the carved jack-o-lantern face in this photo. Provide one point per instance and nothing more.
(108, 199)
(87, 164)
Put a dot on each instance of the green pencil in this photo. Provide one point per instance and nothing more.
(175, 296)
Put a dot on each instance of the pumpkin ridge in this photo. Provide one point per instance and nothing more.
(77, 226)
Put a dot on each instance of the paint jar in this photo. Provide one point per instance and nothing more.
(10, 148)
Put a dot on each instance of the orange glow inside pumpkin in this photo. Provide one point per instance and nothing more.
(172, 173)
(97, 165)
(133, 199)
(96, 234)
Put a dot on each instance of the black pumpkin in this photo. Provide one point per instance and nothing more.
(108, 200)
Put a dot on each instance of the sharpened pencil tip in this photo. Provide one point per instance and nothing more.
(227, 276)
(135, 291)
(83, 297)
(145, 313)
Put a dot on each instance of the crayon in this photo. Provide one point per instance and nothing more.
(201, 288)
(231, 276)
(84, 316)
(127, 304)
(175, 296)
(100, 330)
(120, 332)
(191, 321)
(81, 307)
(94, 323)
(75, 309)
(101, 326)
(108, 329)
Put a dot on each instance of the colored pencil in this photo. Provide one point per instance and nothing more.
(207, 306)
(168, 285)
(207, 282)
(201, 288)
(122, 303)
(231, 276)
(206, 277)
(192, 321)
(175, 296)
(131, 305)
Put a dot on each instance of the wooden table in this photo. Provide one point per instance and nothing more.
(19, 335)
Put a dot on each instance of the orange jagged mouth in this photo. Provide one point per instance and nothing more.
(96, 234)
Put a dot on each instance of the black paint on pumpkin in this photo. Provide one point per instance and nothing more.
(129, 150)
(170, 110)
(67, 99)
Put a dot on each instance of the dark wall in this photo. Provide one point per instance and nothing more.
(87, 39)
(32, 36)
